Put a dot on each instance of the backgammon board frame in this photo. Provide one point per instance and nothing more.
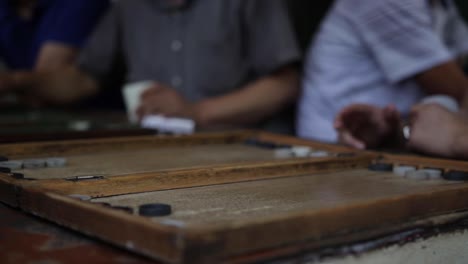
(263, 239)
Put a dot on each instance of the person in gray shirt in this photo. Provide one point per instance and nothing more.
(227, 63)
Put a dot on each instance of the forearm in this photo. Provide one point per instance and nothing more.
(64, 86)
(54, 56)
(252, 103)
(448, 79)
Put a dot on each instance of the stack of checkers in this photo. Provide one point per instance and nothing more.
(8, 166)
(413, 173)
(283, 151)
(34, 163)
(300, 152)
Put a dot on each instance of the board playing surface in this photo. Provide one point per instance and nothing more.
(229, 197)
(244, 202)
(116, 163)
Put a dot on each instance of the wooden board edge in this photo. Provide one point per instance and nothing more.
(130, 232)
(19, 150)
(9, 190)
(185, 178)
(425, 162)
(413, 227)
(291, 140)
(315, 227)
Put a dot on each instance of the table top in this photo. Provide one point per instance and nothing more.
(26, 239)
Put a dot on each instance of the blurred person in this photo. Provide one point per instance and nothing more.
(373, 60)
(43, 35)
(227, 63)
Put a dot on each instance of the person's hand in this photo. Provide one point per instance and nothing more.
(163, 100)
(365, 126)
(435, 130)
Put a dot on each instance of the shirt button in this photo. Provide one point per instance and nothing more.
(176, 45)
(177, 81)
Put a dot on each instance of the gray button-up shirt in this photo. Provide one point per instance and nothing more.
(204, 49)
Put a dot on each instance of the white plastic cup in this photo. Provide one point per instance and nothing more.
(132, 97)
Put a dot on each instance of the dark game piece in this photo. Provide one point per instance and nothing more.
(456, 176)
(18, 176)
(3, 158)
(153, 210)
(382, 167)
(5, 170)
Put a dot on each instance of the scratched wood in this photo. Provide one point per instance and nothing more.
(228, 208)
(112, 163)
(186, 178)
(215, 223)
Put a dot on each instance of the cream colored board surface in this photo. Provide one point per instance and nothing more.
(240, 203)
(151, 160)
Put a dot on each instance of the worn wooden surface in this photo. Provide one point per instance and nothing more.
(28, 239)
(242, 205)
(186, 178)
(218, 222)
(118, 163)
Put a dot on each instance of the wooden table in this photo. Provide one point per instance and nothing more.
(233, 199)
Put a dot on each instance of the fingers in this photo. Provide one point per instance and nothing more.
(345, 137)
(154, 89)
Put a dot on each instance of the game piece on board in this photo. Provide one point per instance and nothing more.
(156, 209)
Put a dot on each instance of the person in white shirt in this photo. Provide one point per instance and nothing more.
(372, 61)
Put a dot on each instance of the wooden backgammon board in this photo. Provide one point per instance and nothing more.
(229, 197)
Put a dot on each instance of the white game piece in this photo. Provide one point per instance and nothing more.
(12, 164)
(56, 162)
(402, 170)
(434, 174)
(319, 154)
(80, 197)
(132, 97)
(80, 125)
(407, 132)
(177, 126)
(417, 175)
(34, 163)
(301, 151)
(444, 100)
(284, 153)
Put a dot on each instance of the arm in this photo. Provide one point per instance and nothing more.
(252, 103)
(435, 130)
(59, 87)
(55, 79)
(53, 59)
(447, 78)
(54, 56)
(249, 104)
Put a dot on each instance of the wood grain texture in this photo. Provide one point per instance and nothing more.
(90, 146)
(162, 242)
(118, 163)
(225, 209)
(186, 178)
(258, 215)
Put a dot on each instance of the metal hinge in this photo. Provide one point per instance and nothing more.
(85, 178)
